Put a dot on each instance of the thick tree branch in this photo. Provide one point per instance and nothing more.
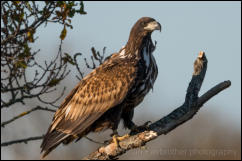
(166, 124)
(213, 91)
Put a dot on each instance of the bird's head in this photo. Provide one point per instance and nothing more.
(141, 29)
(145, 25)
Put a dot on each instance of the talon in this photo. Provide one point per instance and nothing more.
(137, 129)
(145, 126)
(147, 123)
(121, 138)
(116, 139)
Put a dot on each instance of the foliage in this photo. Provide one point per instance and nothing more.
(19, 22)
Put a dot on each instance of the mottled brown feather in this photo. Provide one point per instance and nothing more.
(82, 114)
(98, 100)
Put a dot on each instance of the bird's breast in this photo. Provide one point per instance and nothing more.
(146, 76)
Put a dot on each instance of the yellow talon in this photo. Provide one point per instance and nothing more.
(117, 139)
(121, 138)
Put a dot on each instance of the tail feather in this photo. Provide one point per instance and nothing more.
(51, 141)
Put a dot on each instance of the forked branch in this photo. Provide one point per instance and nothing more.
(166, 124)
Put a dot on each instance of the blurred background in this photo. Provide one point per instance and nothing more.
(187, 28)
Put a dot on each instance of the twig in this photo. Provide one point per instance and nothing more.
(22, 140)
(25, 113)
(182, 114)
(97, 142)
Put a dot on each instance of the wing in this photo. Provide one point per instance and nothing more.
(104, 88)
(101, 90)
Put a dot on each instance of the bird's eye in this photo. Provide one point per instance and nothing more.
(143, 23)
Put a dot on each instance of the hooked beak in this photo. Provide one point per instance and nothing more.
(201, 54)
(154, 25)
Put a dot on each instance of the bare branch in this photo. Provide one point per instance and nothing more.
(22, 140)
(96, 58)
(213, 91)
(166, 124)
(21, 20)
(25, 113)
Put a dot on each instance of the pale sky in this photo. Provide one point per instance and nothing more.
(187, 28)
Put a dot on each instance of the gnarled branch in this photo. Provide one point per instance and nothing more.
(166, 124)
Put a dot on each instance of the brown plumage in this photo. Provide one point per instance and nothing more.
(109, 93)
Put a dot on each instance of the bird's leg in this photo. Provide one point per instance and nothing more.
(116, 138)
(116, 119)
(128, 123)
(115, 132)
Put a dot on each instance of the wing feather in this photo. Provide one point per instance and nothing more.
(99, 91)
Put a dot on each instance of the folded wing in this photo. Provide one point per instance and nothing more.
(104, 88)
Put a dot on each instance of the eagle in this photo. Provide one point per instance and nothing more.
(109, 93)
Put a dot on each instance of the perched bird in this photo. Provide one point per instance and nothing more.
(109, 93)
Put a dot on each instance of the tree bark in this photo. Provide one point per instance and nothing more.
(166, 124)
